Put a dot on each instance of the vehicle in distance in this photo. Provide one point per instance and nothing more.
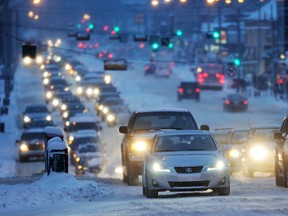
(139, 133)
(36, 113)
(31, 144)
(235, 102)
(258, 152)
(150, 69)
(185, 161)
(188, 90)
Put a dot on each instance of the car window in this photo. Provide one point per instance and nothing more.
(185, 143)
(74, 126)
(36, 109)
(162, 120)
(32, 136)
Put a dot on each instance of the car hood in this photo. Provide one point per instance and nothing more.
(195, 158)
(37, 115)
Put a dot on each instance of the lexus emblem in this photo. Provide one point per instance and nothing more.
(188, 170)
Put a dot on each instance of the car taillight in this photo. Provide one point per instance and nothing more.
(167, 72)
(201, 78)
(197, 90)
(110, 55)
(245, 102)
(146, 67)
(100, 55)
(180, 90)
(227, 102)
(205, 75)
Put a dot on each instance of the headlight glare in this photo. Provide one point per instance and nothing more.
(157, 167)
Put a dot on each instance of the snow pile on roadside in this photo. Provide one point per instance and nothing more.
(53, 189)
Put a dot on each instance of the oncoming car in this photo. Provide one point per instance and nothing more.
(188, 160)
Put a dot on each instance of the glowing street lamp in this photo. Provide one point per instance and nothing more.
(30, 14)
(36, 2)
(154, 3)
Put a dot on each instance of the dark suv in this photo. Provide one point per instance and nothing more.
(142, 127)
(281, 154)
(188, 90)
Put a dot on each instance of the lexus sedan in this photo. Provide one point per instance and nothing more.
(187, 160)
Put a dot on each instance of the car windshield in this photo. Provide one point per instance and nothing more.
(33, 136)
(89, 149)
(185, 143)
(83, 140)
(36, 109)
(164, 120)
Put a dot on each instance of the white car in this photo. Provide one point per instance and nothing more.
(187, 160)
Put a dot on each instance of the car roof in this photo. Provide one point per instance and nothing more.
(83, 119)
(147, 110)
(86, 133)
(34, 130)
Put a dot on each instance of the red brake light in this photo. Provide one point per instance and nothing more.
(280, 81)
(245, 102)
(197, 90)
(110, 55)
(205, 74)
(227, 102)
(180, 90)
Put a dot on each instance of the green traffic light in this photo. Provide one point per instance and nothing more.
(237, 61)
(216, 34)
(170, 45)
(116, 28)
(91, 26)
(155, 46)
(179, 33)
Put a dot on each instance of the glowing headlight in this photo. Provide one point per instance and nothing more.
(219, 165)
(27, 60)
(67, 123)
(42, 67)
(66, 89)
(107, 79)
(78, 78)
(65, 115)
(77, 159)
(258, 153)
(49, 95)
(139, 146)
(48, 118)
(111, 118)
(55, 102)
(24, 147)
(46, 74)
(234, 153)
(46, 81)
(157, 167)
(68, 67)
(118, 170)
(96, 91)
(26, 119)
(79, 167)
(105, 110)
(89, 91)
(39, 59)
(63, 107)
(100, 107)
(79, 90)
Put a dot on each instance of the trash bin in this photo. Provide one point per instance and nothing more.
(51, 132)
(57, 156)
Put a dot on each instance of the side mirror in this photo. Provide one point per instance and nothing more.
(204, 127)
(278, 136)
(123, 129)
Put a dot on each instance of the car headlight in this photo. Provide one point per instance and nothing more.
(66, 89)
(100, 107)
(219, 165)
(79, 90)
(234, 153)
(65, 115)
(139, 146)
(26, 119)
(46, 74)
(70, 139)
(67, 123)
(78, 78)
(24, 147)
(48, 118)
(96, 91)
(49, 95)
(158, 167)
(89, 91)
(55, 102)
(79, 167)
(111, 118)
(63, 107)
(258, 153)
(107, 79)
(105, 110)
(46, 81)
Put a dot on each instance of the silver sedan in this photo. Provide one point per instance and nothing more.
(185, 161)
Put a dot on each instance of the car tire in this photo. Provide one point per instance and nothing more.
(132, 177)
(124, 178)
(224, 191)
(151, 193)
(285, 172)
(278, 179)
(144, 191)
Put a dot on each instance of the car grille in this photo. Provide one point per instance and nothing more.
(189, 184)
(36, 146)
(188, 170)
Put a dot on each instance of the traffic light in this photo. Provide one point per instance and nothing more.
(91, 26)
(170, 45)
(237, 62)
(155, 46)
(216, 34)
(116, 29)
(179, 33)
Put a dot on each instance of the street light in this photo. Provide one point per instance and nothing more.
(36, 2)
